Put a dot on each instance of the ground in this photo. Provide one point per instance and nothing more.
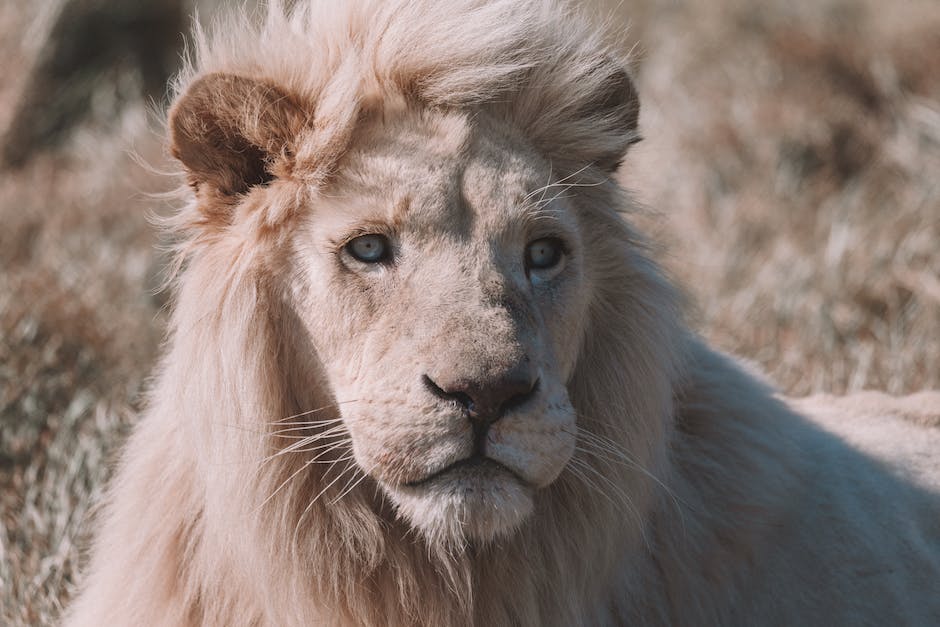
(789, 175)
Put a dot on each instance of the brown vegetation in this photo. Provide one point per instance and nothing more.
(791, 161)
(793, 153)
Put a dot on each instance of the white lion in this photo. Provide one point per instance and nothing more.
(423, 372)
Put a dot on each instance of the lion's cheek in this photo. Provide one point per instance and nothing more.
(404, 455)
(536, 452)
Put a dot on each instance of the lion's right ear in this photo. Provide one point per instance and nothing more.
(233, 133)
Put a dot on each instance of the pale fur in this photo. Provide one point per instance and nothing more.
(665, 485)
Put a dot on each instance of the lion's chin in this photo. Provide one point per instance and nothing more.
(480, 501)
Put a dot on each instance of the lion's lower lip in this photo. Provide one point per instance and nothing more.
(476, 462)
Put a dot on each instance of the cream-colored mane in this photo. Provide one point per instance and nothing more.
(500, 419)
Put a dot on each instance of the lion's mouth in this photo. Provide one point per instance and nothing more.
(475, 465)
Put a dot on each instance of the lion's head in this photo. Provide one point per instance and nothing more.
(421, 369)
(409, 272)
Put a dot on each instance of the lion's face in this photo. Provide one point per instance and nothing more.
(442, 284)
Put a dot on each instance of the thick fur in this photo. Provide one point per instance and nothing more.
(648, 480)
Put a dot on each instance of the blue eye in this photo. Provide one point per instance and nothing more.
(543, 254)
(369, 248)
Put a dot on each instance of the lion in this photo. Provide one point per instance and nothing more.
(423, 370)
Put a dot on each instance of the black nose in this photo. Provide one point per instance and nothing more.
(488, 400)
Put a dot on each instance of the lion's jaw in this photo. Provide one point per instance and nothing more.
(455, 309)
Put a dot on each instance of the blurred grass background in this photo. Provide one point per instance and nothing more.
(791, 166)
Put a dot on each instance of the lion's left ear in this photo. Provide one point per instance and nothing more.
(233, 133)
(617, 107)
(585, 112)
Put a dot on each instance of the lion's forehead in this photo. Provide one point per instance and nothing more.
(441, 172)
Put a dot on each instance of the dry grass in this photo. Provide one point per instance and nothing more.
(794, 152)
(79, 333)
(792, 156)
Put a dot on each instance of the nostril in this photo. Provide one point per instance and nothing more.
(461, 397)
(433, 387)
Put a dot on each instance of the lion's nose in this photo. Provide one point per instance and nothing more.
(486, 401)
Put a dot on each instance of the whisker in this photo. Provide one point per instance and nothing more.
(327, 486)
(536, 191)
(349, 488)
(306, 464)
(577, 467)
(610, 451)
(577, 472)
(322, 435)
(611, 447)
(232, 425)
(313, 411)
(306, 423)
(316, 459)
(625, 499)
(547, 185)
(280, 487)
(299, 445)
(262, 432)
(288, 436)
(306, 427)
(344, 458)
(306, 511)
(555, 184)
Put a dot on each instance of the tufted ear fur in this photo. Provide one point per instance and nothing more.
(579, 111)
(618, 105)
(233, 133)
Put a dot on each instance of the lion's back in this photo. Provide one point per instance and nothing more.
(861, 543)
(903, 432)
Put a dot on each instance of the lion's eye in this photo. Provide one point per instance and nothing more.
(369, 248)
(543, 254)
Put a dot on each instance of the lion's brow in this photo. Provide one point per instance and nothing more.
(400, 210)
